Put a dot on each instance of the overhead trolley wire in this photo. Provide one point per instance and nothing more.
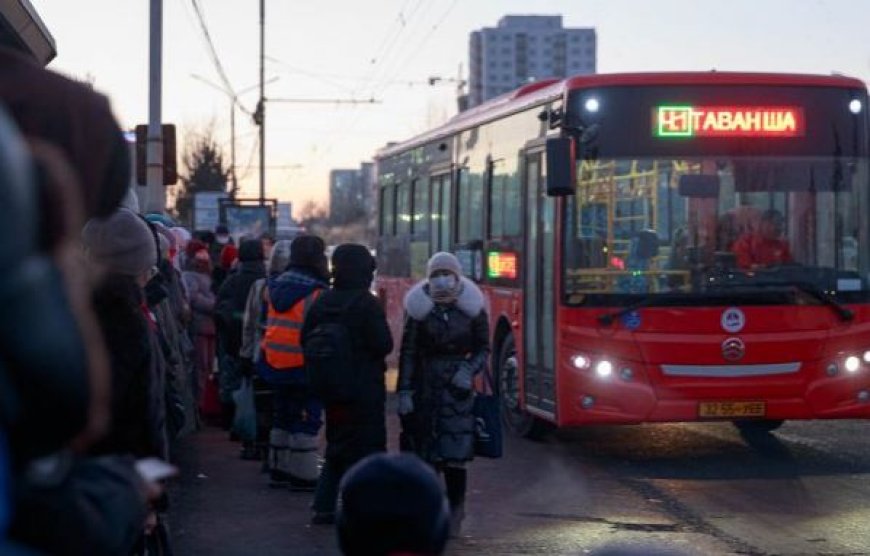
(211, 48)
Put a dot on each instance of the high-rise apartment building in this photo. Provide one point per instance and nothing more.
(350, 194)
(525, 48)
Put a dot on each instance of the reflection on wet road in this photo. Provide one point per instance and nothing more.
(696, 488)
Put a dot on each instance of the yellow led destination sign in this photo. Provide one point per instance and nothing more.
(728, 121)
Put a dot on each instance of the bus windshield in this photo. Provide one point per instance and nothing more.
(692, 228)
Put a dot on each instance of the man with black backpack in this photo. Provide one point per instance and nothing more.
(345, 339)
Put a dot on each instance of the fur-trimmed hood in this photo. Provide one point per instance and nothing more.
(418, 304)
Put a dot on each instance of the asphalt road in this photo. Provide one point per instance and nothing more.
(691, 488)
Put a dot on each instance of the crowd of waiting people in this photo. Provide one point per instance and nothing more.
(123, 333)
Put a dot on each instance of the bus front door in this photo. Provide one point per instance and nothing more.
(539, 285)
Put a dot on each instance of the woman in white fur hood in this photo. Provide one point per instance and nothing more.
(444, 345)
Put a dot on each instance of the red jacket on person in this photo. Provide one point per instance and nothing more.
(755, 250)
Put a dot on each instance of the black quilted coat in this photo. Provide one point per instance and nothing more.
(436, 339)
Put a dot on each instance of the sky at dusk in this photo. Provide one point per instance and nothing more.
(387, 50)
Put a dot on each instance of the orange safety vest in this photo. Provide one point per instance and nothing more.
(282, 342)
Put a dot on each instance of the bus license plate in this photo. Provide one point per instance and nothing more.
(730, 410)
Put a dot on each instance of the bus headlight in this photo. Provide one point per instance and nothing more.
(855, 106)
(604, 368)
(592, 104)
(852, 364)
(581, 361)
(866, 356)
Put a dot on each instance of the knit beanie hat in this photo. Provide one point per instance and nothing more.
(280, 257)
(444, 261)
(353, 266)
(251, 250)
(392, 503)
(308, 251)
(122, 242)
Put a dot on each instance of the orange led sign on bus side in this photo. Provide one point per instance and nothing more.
(728, 121)
(501, 264)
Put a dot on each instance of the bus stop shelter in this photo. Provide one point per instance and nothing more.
(22, 28)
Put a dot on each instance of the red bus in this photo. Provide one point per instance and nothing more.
(654, 247)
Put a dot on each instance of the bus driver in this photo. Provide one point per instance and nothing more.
(765, 247)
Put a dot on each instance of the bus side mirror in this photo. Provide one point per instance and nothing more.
(561, 166)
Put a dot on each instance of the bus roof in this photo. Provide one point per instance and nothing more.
(548, 90)
(713, 78)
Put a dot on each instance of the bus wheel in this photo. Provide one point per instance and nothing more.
(761, 426)
(518, 422)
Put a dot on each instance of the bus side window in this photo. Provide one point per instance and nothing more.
(387, 210)
(421, 210)
(496, 188)
(403, 208)
(469, 209)
(505, 201)
(435, 183)
(445, 213)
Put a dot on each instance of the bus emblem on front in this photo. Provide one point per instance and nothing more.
(733, 349)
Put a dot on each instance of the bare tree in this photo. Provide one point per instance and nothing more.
(312, 214)
(204, 169)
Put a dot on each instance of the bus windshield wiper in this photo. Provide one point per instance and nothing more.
(813, 291)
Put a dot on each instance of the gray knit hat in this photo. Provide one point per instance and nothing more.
(444, 261)
(122, 242)
(280, 257)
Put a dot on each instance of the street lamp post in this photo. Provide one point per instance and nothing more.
(156, 201)
(261, 105)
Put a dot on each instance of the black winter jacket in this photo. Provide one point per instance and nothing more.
(436, 339)
(358, 429)
(137, 386)
(230, 307)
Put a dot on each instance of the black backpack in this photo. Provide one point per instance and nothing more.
(328, 348)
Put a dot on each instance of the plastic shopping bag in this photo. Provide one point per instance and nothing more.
(245, 419)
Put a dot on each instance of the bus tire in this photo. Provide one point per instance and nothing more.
(517, 421)
(758, 426)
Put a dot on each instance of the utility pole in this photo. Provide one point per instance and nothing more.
(235, 187)
(156, 197)
(261, 105)
(260, 112)
(234, 103)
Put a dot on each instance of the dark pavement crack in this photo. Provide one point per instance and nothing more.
(618, 525)
(690, 520)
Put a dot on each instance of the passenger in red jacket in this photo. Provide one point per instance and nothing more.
(764, 247)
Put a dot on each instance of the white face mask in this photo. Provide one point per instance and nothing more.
(443, 283)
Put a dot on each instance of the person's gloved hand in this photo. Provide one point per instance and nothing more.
(406, 402)
(463, 377)
(246, 367)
